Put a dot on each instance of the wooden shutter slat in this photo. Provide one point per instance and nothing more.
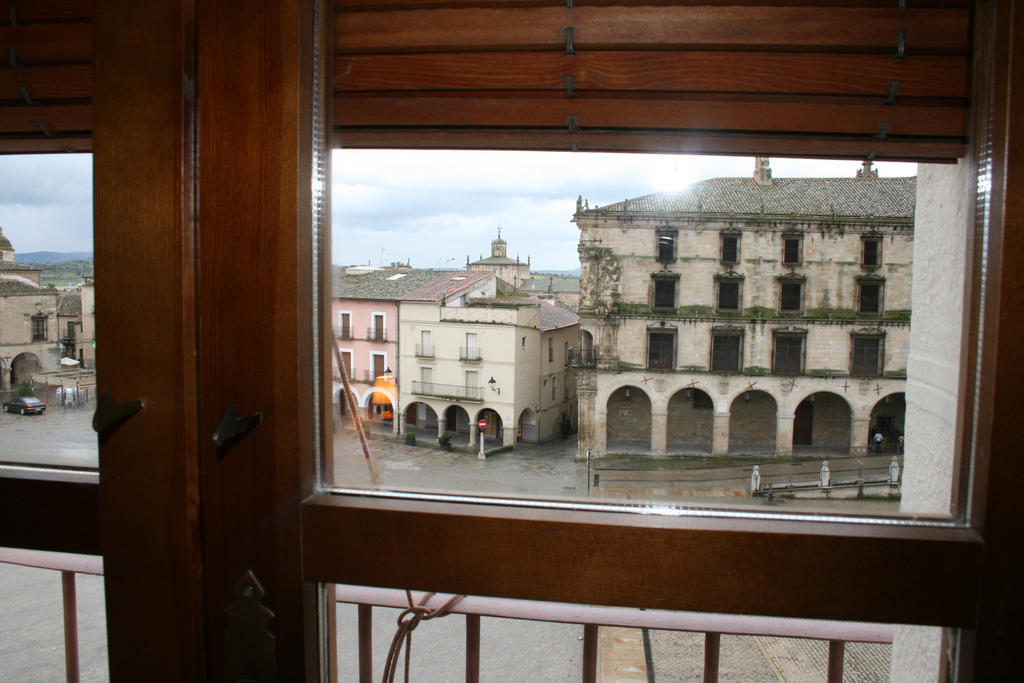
(365, 5)
(45, 145)
(825, 74)
(65, 117)
(840, 29)
(51, 10)
(735, 114)
(43, 82)
(661, 142)
(50, 43)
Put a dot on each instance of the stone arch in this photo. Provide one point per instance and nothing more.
(753, 422)
(628, 420)
(822, 420)
(23, 367)
(456, 419)
(494, 424)
(690, 425)
(888, 416)
(3, 374)
(527, 427)
(420, 415)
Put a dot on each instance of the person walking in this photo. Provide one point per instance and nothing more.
(878, 441)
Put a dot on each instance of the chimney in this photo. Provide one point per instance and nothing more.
(762, 171)
(867, 170)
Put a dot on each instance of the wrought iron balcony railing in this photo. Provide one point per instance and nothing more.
(455, 391)
(581, 358)
(471, 353)
(375, 334)
(425, 350)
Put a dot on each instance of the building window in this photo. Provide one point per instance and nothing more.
(730, 248)
(788, 357)
(565, 353)
(791, 250)
(661, 350)
(728, 293)
(346, 325)
(725, 351)
(346, 360)
(551, 350)
(871, 252)
(38, 328)
(666, 246)
(791, 296)
(554, 387)
(870, 297)
(664, 292)
(472, 379)
(867, 355)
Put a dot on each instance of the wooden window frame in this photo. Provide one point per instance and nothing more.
(663, 282)
(157, 545)
(729, 279)
(727, 333)
(879, 361)
(729, 235)
(786, 238)
(789, 334)
(800, 282)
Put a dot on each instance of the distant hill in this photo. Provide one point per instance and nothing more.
(565, 273)
(41, 257)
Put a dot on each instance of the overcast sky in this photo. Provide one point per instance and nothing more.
(430, 208)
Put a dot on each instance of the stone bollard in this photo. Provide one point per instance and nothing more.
(894, 471)
(826, 475)
(755, 480)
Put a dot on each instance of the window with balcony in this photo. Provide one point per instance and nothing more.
(730, 248)
(345, 322)
(471, 351)
(726, 350)
(788, 354)
(866, 354)
(666, 246)
(792, 250)
(425, 349)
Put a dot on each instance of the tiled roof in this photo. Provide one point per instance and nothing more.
(498, 261)
(381, 285)
(11, 286)
(539, 283)
(450, 282)
(842, 197)
(551, 317)
(70, 304)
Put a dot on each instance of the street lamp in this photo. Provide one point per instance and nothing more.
(491, 383)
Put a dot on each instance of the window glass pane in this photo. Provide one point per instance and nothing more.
(47, 311)
(871, 249)
(870, 298)
(649, 382)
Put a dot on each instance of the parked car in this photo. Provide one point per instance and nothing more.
(25, 405)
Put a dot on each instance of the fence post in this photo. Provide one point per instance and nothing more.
(67, 581)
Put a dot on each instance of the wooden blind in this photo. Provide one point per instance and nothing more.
(885, 80)
(46, 77)
(872, 79)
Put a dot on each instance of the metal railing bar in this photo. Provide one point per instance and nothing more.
(590, 653)
(472, 648)
(45, 559)
(712, 650)
(698, 622)
(67, 581)
(836, 651)
(365, 627)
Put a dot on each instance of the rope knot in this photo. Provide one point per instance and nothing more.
(408, 620)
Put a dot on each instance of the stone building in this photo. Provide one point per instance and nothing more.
(746, 315)
(511, 270)
(555, 289)
(28, 321)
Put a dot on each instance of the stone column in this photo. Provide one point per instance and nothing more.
(473, 431)
(720, 434)
(509, 437)
(783, 434)
(860, 432)
(586, 390)
(396, 422)
(659, 432)
(440, 425)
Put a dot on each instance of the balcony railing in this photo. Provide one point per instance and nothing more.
(471, 353)
(455, 391)
(712, 625)
(375, 334)
(345, 332)
(581, 358)
(425, 350)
